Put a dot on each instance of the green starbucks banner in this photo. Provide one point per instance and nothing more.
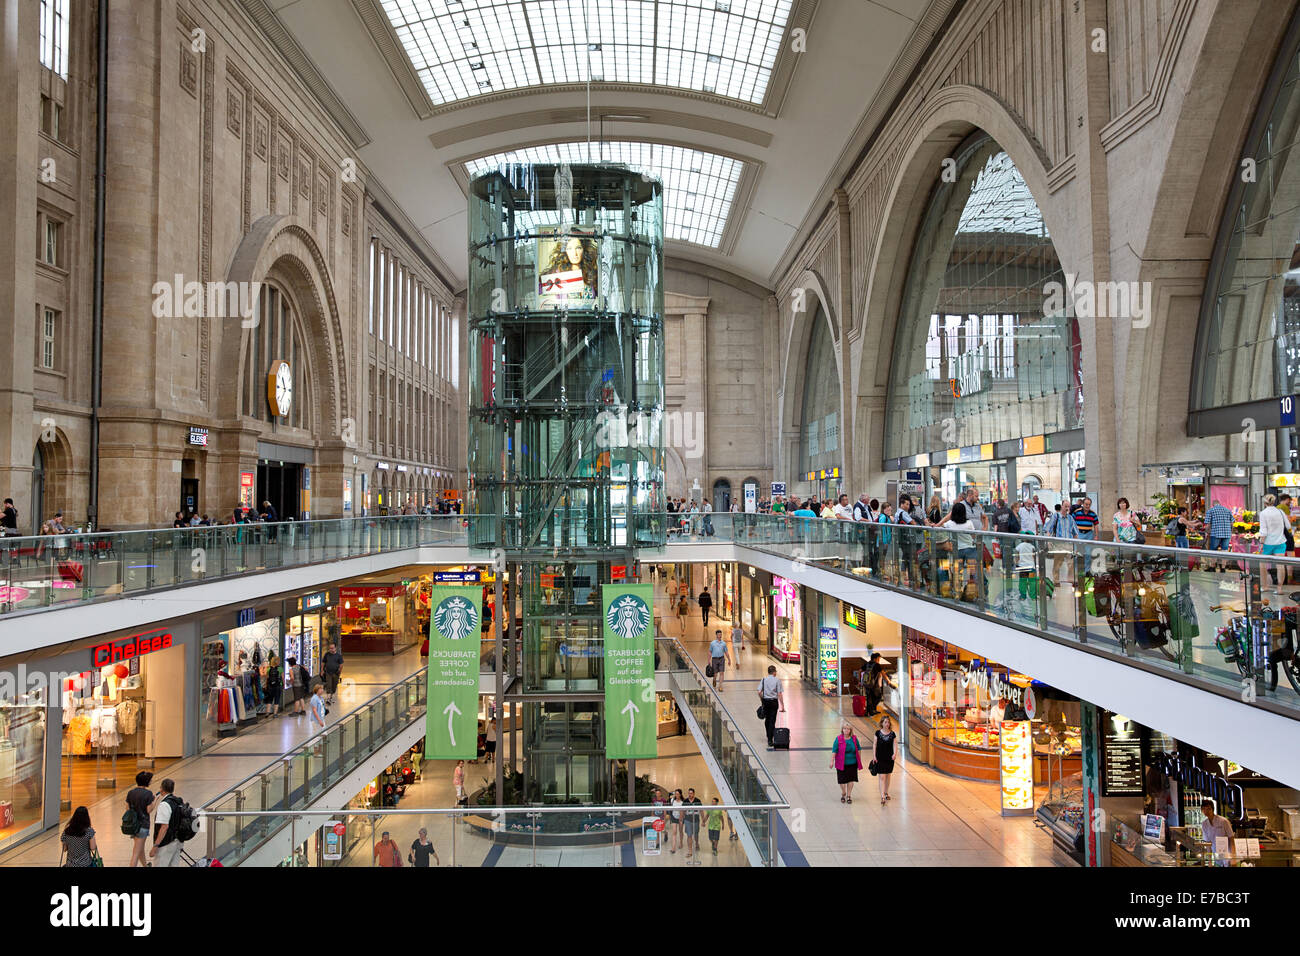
(451, 724)
(630, 719)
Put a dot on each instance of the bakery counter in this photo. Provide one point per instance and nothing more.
(966, 757)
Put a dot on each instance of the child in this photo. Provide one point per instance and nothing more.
(715, 825)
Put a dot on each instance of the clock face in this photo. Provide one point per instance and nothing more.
(280, 387)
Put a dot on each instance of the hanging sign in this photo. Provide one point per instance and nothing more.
(631, 730)
(451, 724)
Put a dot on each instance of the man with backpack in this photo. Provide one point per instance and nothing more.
(173, 824)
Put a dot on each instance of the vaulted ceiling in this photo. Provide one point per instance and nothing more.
(750, 110)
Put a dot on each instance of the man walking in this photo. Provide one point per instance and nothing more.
(332, 663)
(769, 692)
(386, 852)
(706, 602)
(1218, 523)
(718, 657)
(166, 847)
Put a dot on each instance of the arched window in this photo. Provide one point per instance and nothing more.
(1248, 337)
(981, 353)
(819, 417)
(279, 336)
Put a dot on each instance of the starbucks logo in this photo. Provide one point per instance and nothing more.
(628, 616)
(455, 618)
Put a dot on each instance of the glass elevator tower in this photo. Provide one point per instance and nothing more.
(566, 456)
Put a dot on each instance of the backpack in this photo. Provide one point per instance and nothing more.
(184, 823)
(130, 822)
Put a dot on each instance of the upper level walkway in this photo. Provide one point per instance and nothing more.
(1189, 642)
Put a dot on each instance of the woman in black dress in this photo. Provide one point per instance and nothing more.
(885, 738)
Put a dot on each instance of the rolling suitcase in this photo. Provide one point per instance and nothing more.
(781, 738)
(859, 705)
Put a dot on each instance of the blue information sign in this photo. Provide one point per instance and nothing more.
(1286, 409)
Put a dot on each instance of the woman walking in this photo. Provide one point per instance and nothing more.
(297, 685)
(847, 757)
(884, 756)
(676, 829)
(79, 840)
(683, 608)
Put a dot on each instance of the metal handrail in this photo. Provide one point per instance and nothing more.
(316, 738)
(717, 702)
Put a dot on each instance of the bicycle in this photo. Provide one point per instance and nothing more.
(1266, 642)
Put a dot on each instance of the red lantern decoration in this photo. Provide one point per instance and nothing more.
(121, 671)
(69, 684)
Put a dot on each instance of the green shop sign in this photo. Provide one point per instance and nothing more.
(451, 722)
(630, 719)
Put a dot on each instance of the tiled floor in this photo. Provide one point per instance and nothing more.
(932, 820)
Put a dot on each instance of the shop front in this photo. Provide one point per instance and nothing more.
(93, 716)
(379, 618)
(755, 594)
(1151, 789)
(819, 656)
(240, 646)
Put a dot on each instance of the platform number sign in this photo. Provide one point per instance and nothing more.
(1286, 410)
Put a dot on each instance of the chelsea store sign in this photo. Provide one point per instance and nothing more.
(996, 686)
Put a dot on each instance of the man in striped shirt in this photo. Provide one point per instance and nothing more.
(1085, 519)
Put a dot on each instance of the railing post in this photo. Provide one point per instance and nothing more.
(771, 838)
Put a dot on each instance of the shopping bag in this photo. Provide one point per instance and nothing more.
(71, 571)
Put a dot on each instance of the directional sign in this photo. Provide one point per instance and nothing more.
(631, 731)
(451, 721)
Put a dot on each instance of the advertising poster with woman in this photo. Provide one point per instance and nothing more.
(567, 273)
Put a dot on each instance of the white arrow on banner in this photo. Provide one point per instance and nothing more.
(451, 710)
(631, 710)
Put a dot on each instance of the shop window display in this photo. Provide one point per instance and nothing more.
(787, 632)
(22, 767)
(235, 670)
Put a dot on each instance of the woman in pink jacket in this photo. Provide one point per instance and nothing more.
(847, 760)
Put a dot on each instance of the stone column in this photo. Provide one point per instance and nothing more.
(844, 305)
(137, 484)
(19, 141)
(1101, 340)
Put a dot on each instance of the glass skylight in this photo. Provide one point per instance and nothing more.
(698, 186)
(1000, 201)
(466, 48)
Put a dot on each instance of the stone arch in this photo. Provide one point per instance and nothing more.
(947, 119)
(284, 248)
(950, 116)
(55, 493)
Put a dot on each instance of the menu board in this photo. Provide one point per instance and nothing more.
(1017, 767)
(1121, 774)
